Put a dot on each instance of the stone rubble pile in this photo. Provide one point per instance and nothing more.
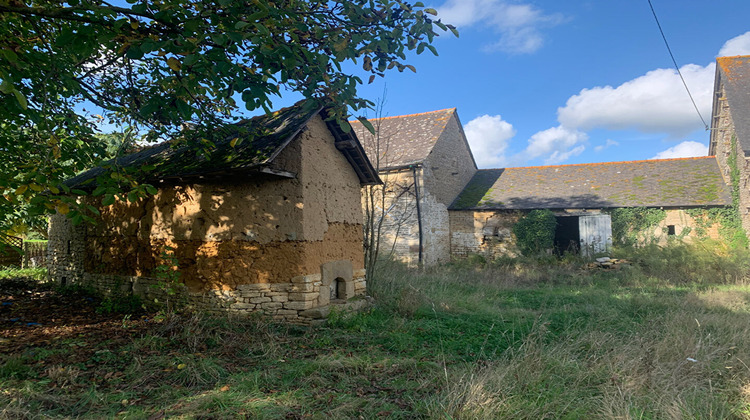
(608, 263)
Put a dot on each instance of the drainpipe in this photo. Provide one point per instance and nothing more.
(419, 210)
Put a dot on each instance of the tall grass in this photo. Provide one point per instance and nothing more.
(666, 336)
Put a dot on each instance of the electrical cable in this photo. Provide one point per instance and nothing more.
(676, 66)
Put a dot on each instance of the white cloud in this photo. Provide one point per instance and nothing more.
(555, 144)
(518, 24)
(609, 143)
(739, 45)
(488, 137)
(684, 149)
(654, 102)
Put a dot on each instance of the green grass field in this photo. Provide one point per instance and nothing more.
(667, 337)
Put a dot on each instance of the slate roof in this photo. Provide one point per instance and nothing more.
(263, 138)
(685, 182)
(735, 73)
(409, 138)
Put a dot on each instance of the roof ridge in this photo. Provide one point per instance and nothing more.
(407, 115)
(603, 163)
(732, 56)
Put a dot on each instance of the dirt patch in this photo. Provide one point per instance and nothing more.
(33, 316)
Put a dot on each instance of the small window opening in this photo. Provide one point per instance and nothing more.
(671, 230)
(338, 287)
(63, 281)
(67, 251)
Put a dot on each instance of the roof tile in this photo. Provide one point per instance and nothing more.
(405, 139)
(651, 183)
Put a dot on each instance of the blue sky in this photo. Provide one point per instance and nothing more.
(557, 82)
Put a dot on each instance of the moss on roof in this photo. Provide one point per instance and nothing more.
(684, 182)
(243, 146)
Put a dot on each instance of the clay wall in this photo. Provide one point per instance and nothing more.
(234, 235)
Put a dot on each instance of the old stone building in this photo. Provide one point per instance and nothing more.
(271, 224)
(424, 161)
(482, 216)
(730, 127)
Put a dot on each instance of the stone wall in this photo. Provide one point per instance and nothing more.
(446, 171)
(685, 227)
(66, 250)
(440, 178)
(399, 236)
(723, 140)
(231, 237)
(487, 233)
(490, 233)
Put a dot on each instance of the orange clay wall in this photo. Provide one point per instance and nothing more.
(262, 229)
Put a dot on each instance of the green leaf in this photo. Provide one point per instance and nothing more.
(367, 124)
(431, 11)
(6, 87)
(9, 55)
(134, 52)
(108, 200)
(191, 59)
(21, 99)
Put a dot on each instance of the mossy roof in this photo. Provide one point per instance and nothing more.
(247, 146)
(735, 73)
(405, 139)
(685, 182)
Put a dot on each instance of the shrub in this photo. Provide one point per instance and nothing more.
(127, 304)
(535, 232)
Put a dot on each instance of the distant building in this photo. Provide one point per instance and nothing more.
(436, 197)
(482, 216)
(424, 161)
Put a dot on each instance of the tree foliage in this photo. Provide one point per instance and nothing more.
(535, 232)
(157, 65)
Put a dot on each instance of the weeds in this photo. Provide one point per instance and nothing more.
(667, 337)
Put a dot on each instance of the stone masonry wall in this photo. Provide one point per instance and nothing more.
(446, 171)
(685, 227)
(441, 177)
(399, 237)
(400, 231)
(723, 139)
(247, 236)
(487, 233)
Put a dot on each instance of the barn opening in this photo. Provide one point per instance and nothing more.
(584, 234)
(567, 235)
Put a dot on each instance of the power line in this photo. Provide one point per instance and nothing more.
(676, 66)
